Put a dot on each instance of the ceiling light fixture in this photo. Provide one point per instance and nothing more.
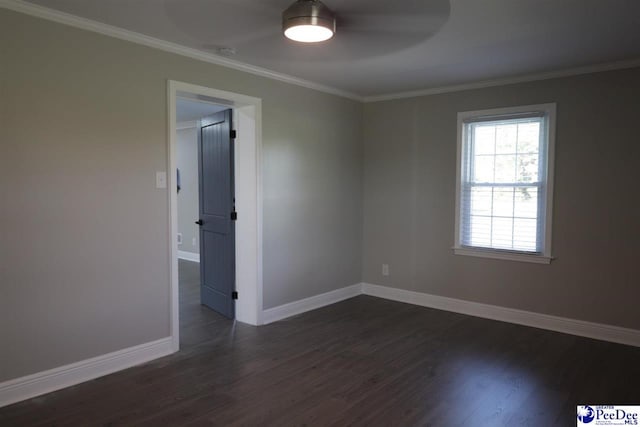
(308, 21)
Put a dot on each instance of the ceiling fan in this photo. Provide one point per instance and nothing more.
(312, 21)
(350, 29)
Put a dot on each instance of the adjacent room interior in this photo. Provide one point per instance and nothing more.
(305, 213)
(196, 318)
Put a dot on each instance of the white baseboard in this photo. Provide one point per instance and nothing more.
(581, 328)
(297, 307)
(189, 256)
(18, 389)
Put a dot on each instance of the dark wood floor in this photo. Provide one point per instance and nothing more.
(364, 361)
(198, 323)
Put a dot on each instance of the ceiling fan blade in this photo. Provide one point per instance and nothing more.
(265, 8)
(256, 21)
(252, 37)
(392, 17)
(398, 23)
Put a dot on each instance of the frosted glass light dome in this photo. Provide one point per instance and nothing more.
(308, 33)
(308, 21)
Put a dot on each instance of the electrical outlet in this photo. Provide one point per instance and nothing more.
(193, 241)
(385, 269)
(179, 238)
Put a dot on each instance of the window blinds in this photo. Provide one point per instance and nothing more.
(503, 182)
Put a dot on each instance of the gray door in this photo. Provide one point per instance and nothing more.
(217, 231)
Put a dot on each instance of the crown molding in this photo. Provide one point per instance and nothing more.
(131, 36)
(609, 66)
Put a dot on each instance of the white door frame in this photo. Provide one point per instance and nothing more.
(248, 194)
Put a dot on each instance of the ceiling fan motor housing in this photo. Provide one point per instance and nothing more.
(308, 12)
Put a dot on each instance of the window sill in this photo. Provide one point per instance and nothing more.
(504, 255)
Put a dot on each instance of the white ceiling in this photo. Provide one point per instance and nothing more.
(384, 46)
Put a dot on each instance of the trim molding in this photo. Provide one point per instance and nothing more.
(19, 389)
(187, 125)
(510, 256)
(248, 194)
(581, 328)
(189, 256)
(297, 307)
(590, 69)
(30, 386)
(132, 36)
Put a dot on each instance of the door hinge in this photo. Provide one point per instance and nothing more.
(234, 216)
(233, 134)
(234, 295)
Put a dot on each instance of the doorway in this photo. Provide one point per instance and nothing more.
(204, 188)
(246, 117)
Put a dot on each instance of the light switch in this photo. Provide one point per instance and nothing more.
(161, 180)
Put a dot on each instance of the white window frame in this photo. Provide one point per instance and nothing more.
(549, 110)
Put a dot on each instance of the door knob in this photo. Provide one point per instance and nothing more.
(199, 222)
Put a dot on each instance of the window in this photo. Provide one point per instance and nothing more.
(504, 188)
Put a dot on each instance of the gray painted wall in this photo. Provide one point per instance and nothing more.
(84, 244)
(187, 163)
(409, 200)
